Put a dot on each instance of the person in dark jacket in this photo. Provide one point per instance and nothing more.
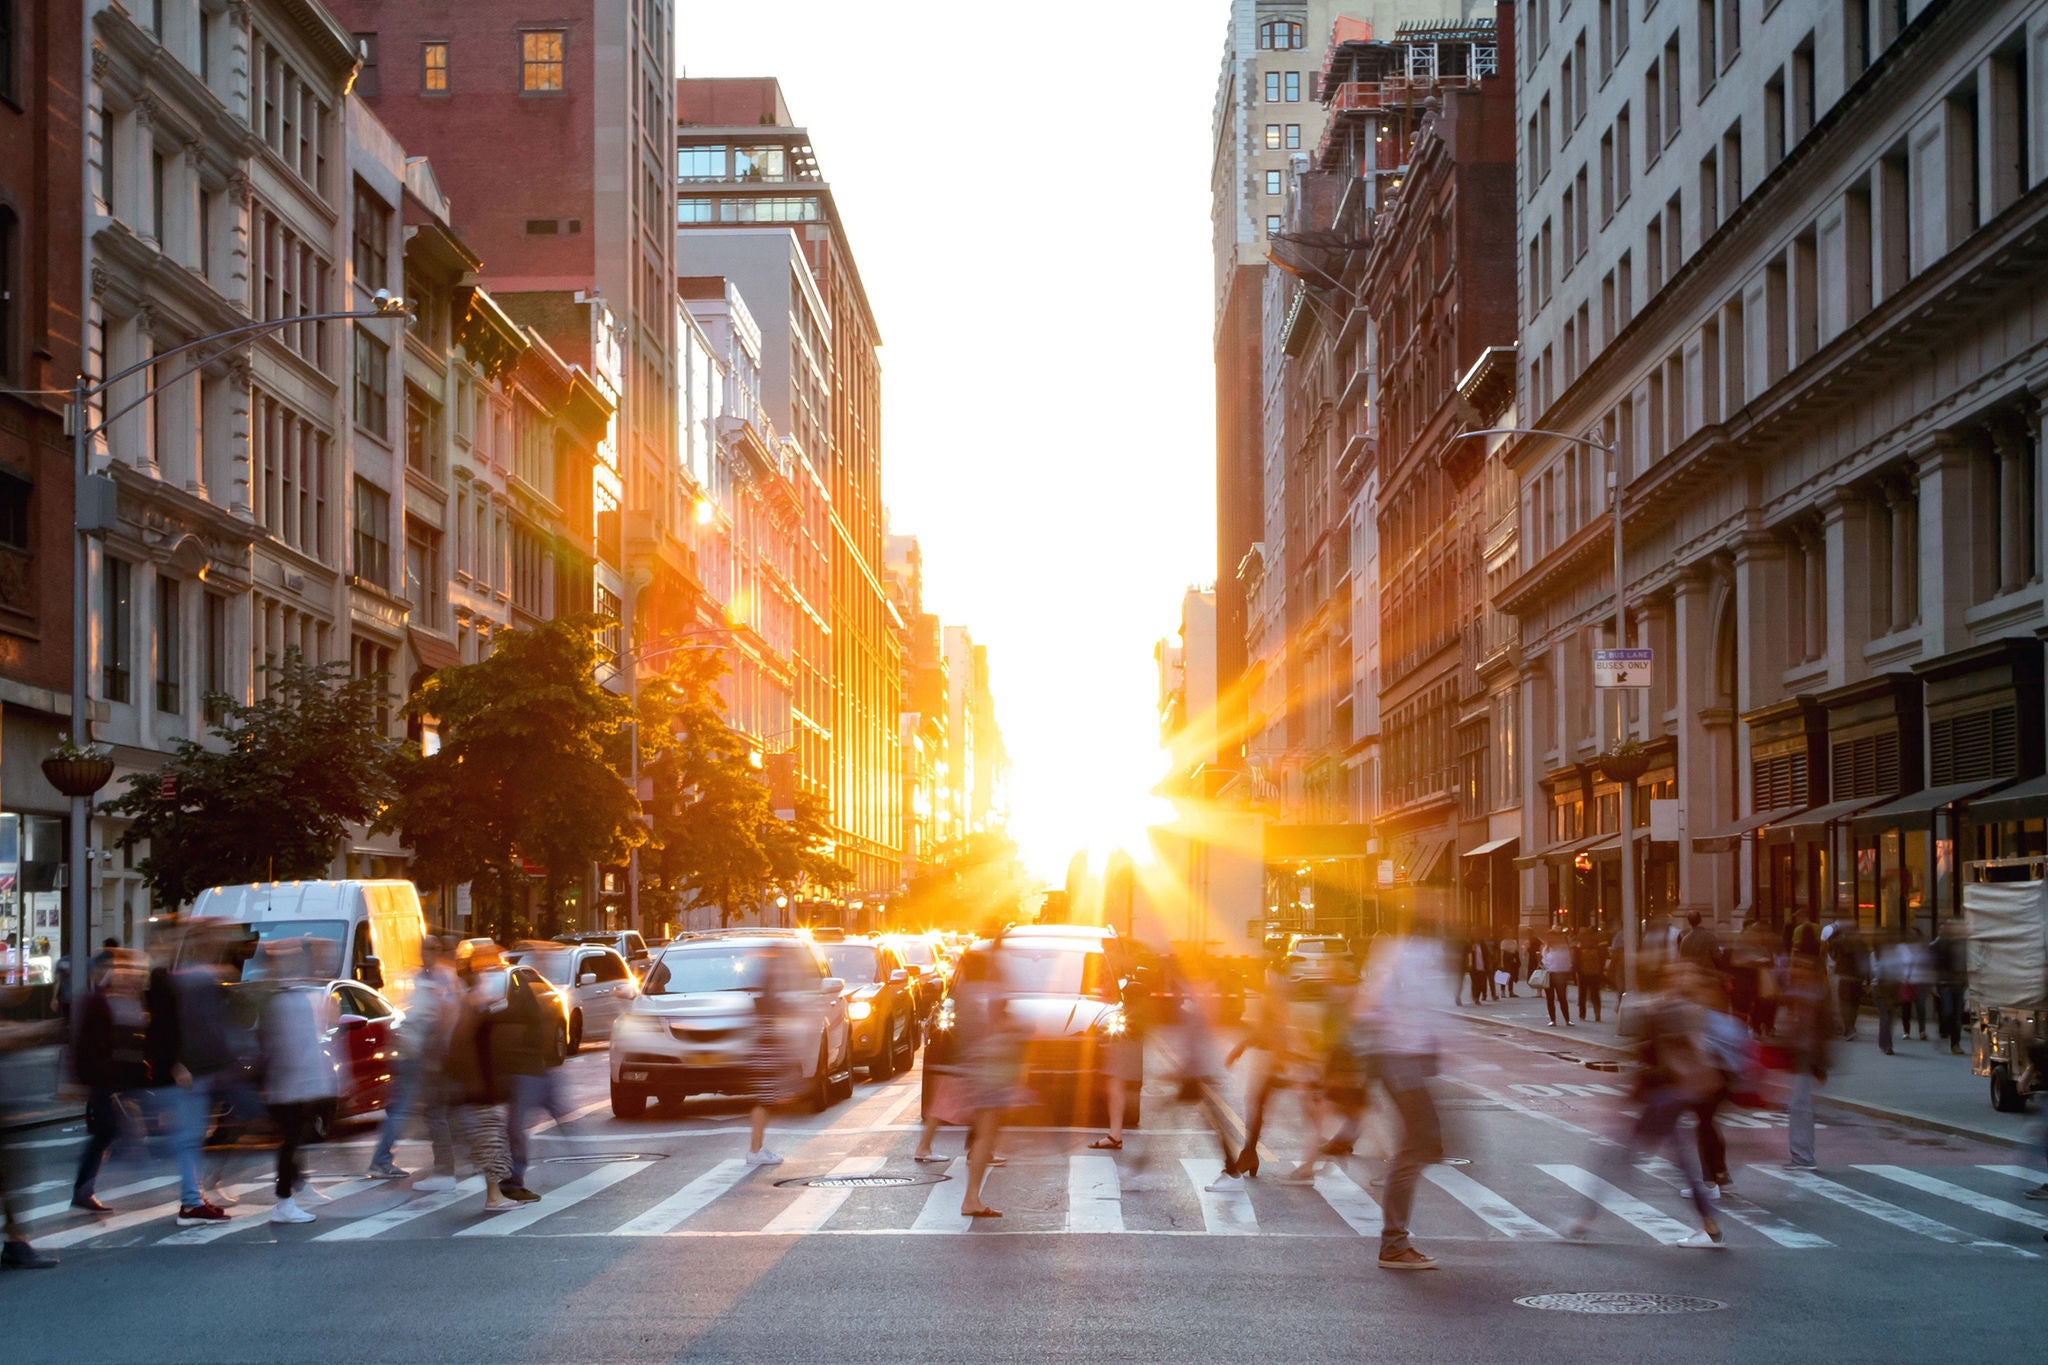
(1950, 950)
(111, 1059)
(478, 1074)
(531, 1060)
(191, 1045)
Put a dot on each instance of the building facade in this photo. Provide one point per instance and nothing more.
(1776, 258)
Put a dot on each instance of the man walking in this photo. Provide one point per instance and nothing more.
(436, 996)
(1396, 995)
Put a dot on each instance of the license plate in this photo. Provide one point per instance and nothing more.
(704, 1059)
(636, 1075)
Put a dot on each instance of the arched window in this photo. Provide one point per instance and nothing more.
(1280, 34)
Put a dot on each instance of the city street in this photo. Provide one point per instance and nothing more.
(654, 1242)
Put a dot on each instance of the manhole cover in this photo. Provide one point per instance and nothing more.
(861, 1182)
(1620, 1304)
(602, 1158)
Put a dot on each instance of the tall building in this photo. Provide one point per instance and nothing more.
(1776, 258)
(41, 345)
(926, 805)
(745, 165)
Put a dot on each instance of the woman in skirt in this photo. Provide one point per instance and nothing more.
(774, 1075)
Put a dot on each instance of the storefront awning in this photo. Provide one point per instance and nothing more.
(433, 653)
(1917, 809)
(1565, 852)
(1721, 841)
(1422, 864)
(1809, 823)
(1496, 846)
(2027, 801)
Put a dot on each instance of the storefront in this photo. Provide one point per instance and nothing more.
(33, 831)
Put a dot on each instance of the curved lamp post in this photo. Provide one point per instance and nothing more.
(1613, 763)
(73, 779)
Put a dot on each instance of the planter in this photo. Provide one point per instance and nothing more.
(78, 776)
(1624, 768)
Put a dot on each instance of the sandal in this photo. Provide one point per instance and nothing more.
(927, 1156)
(981, 1213)
(1107, 1144)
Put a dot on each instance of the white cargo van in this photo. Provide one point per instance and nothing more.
(375, 926)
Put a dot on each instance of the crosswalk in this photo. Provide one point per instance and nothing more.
(1968, 1208)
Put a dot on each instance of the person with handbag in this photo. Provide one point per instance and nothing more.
(1559, 964)
(1510, 966)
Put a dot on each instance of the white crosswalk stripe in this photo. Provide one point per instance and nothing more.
(671, 1212)
(377, 1224)
(1094, 1194)
(1357, 1208)
(1744, 1211)
(1968, 1198)
(1880, 1209)
(556, 1200)
(941, 1211)
(260, 1217)
(1496, 1211)
(1227, 1215)
(1620, 1203)
(813, 1208)
(120, 1222)
(57, 1206)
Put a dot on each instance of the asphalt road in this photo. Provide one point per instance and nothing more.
(652, 1243)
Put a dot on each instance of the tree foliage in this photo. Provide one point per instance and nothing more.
(527, 772)
(714, 839)
(974, 883)
(274, 798)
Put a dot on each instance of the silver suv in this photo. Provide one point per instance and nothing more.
(692, 1028)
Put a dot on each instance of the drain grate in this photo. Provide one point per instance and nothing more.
(860, 1182)
(602, 1158)
(1621, 1304)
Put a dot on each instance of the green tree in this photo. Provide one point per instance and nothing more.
(274, 798)
(799, 850)
(527, 771)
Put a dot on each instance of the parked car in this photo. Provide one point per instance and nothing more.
(1317, 958)
(930, 971)
(691, 1029)
(627, 943)
(881, 1008)
(596, 981)
(1064, 994)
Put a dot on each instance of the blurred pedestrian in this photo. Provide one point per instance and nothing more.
(1395, 992)
(533, 1052)
(15, 1251)
(1724, 1042)
(1918, 985)
(1949, 956)
(1674, 1076)
(1851, 961)
(774, 1073)
(477, 1076)
(193, 1045)
(991, 1063)
(1888, 976)
(1510, 964)
(1806, 1027)
(1273, 1067)
(1700, 944)
(421, 1079)
(1458, 949)
(111, 1059)
(1559, 965)
(1590, 970)
(302, 1076)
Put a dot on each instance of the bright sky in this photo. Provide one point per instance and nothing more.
(1027, 193)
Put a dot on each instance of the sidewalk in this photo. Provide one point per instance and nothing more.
(29, 1089)
(1921, 1084)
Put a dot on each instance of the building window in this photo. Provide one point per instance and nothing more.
(700, 163)
(423, 573)
(540, 61)
(1272, 223)
(1280, 35)
(695, 210)
(366, 68)
(422, 433)
(434, 68)
(1272, 182)
(117, 604)
(372, 240)
(1272, 87)
(215, 643)
(168, 662)
(373, 534)
(14, 512)
(372, 385)
(1293, 136)
(1294, 87)
(1272, 137)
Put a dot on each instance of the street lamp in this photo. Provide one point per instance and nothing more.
(99, 517)
(1628, 859)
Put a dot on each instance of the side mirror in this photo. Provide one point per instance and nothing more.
(371, 973)
(831, 985)
(623, 992)
(587, 979)
(898, 977)
(352, 1022)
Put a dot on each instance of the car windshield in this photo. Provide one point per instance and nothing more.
(1056, 969)
(917, 952)
(857, 964)
(695, 971)
(323, 942)
(554, 964)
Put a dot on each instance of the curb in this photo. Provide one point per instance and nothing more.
(45, 1121)
(1821, 1099)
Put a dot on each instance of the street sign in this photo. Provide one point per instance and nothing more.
(1385, 876)
(1622, 667)
(1664, 821)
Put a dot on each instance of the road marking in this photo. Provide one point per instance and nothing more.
(99, 1228)
(554, 1201)
(1968, 1198)
(1222, 1214)
(57, 1206)
(1498, 1212)
(378, 1224)
(213, 1232)
(2029, 1174)
(895, 1114)
(1885, 1212)
(1095, 1194)
(1620, 1203)
(812, 1209)
(1351, 1203)
(671, 1212)
(941, 1211)
(1744, 1211)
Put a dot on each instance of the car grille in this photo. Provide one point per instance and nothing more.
(1052, 1055)
(689, 1034)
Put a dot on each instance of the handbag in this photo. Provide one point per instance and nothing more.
(1540, 979)
(1501, 978)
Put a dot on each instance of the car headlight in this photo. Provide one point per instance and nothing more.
(637, 1023)
(943, 1016)
(859, 1010)
(1112, 1022)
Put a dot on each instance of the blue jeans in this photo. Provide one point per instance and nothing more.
(405, 1091)
(531, 1096)
(192, 1114)
(1799, 1117)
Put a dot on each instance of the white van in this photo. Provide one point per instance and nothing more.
(375, 926)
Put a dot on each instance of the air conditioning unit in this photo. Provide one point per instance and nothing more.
(295, 582)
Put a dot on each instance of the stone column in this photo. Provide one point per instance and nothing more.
(1946, 558)
(1692, 675)
(1529, 679)
(2015, 531)
(236, 442)
(1845, 535)
(1762, 586)
(1902, 607)
(1813, 576)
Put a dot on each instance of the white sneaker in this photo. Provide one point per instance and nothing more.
(433, 1184)
(764, 1157)
(305, 1192)
(1705, 1241)
(287, 1211)
(1226, 1184)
